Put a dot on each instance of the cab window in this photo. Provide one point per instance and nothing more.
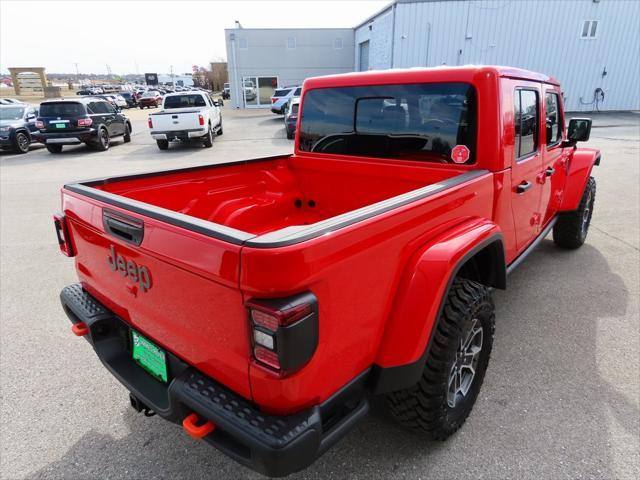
(553, 119)
(526, 122)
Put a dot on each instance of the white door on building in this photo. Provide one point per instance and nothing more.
(364, 56)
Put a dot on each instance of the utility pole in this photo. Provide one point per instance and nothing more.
(173, 84)
(109, 70)
(77, 73)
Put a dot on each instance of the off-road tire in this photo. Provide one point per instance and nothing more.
(21, 143)
(163, 144)
(207, 140)
(571, 228)
(425, 407)
(54, 148)
(127, 133)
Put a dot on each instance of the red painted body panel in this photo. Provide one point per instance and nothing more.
(579, 168)
(379, 281)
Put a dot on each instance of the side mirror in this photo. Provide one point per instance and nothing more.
(579, 130)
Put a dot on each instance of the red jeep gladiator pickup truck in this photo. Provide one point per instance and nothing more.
(262, 303)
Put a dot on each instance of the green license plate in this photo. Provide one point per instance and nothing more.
(149, 356)
(60, 125)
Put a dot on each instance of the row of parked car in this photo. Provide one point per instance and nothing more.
(95, 121)
(286, 101)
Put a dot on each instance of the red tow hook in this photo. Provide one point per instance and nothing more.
(80, 329)
(197, 431)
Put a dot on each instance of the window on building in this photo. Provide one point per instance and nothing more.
(243, 44)
(291, 42)
(337, 44)
(526, 122)
(553, 118)
(589, 29)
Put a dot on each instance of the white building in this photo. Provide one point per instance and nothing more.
(590, 46)
(265, 58)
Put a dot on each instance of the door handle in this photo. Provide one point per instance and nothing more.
(550, 171)
(523, 187)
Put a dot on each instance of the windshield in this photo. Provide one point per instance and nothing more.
(59, 109)
(226, 85)
(184, 101)
(11, 113)
(416, 122)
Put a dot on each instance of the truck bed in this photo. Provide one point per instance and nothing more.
(269, 195)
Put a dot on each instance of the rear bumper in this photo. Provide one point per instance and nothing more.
(270, 444)
(179, 134)
(68, 138)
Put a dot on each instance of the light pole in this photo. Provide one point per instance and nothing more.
(77, 73)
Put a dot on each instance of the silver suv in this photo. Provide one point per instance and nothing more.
(281, 97)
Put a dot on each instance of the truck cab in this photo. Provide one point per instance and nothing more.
(261, 304)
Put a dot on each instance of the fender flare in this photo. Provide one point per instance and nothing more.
(580, 167)
(421, 296)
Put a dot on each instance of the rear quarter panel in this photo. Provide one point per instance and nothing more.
(354, 273)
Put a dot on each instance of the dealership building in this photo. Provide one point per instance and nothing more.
(590, 46)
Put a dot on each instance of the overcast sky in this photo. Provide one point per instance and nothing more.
(148, 36)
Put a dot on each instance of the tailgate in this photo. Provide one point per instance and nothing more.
(177, 287)
(176, 119)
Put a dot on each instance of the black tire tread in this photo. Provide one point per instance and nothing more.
(567, 231)
(422, 408)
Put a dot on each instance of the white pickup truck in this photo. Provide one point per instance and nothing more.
(186, 116)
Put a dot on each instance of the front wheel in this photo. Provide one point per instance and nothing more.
(219, 132)
(127, 133)
(459, 354)
(21, 143)
(571, 228)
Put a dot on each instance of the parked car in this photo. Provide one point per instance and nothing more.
(10, 101)
(226, 91)
(250, 91)
(281, 98)
(291, 118)
(130, 98)
(186, 116)
(261, 304)
(89, 120)
(18, 127)
(119, 100)
(150, 98)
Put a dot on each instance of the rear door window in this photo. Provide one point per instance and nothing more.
(416, 122)
(62, 109)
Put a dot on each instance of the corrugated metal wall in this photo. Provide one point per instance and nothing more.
(543, 36)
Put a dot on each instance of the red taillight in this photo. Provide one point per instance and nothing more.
(284, 332)
(39, 124)
(85, 122)
(150, 122)
(62, 232)
(274, 99)
(200, 119)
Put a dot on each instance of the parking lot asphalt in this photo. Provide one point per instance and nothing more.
(561, 398)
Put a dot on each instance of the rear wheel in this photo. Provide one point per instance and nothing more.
(571, 228)
(163, 144)
(21, 143)
(53, 148)
(458, 358)
(290, 134)
(207, 140)
(103, 141)
(127, 133)
(219, 132)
